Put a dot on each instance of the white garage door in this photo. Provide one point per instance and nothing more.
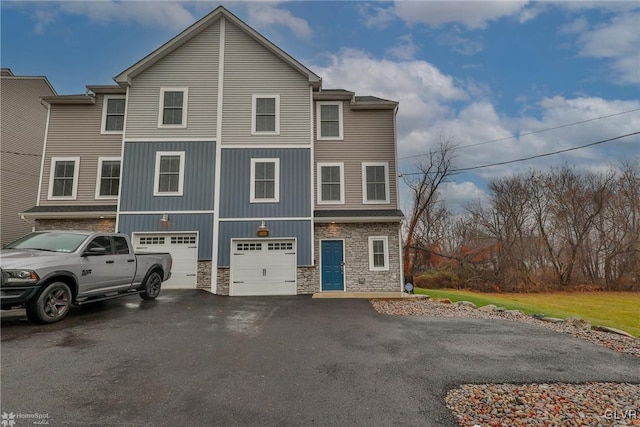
(183, 248)
(263, 267)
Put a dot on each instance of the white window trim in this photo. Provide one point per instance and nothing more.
(385, 241)
(253, 114)
(387, 199)
(103, 126)
(340, 137)
(185, 104)
(76, 169)
(156, 177)
(99, 177)
(319, 184)
(276, 184)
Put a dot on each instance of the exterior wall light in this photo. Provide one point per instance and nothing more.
(263, 231)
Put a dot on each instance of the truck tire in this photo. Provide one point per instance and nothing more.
(151, 286)
(51, 305)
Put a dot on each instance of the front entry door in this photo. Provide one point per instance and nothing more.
(332, 252)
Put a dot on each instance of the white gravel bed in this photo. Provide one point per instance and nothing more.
(548, 405)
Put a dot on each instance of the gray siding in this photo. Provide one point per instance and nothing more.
(23, 125)
(74, 131)
(193, 65)
(138, 171)
(249, 68)
(247, 229)
(295, 184)
(203, 223)
(368, 137)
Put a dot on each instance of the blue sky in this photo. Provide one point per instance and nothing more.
(471, 71)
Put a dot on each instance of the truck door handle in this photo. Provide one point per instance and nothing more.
(264, 272)
(131, 260)
(110, 262)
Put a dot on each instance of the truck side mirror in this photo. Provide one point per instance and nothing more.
(95, 251)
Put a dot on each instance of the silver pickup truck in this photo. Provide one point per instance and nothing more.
(49, 271)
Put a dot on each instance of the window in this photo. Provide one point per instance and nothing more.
(120, 245)
(330, 183)
(173, 107)
(108, 180)
(113, 114)
(169, 176)
(375, 182)
(329, 120)
(63, 183)
(265, 114)
(378, 253)
(248, 246)
(183, 240)
(101, 242)
(280, 246)
(152, 240)
(265, 180)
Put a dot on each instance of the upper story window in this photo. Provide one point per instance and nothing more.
(169, 175)
(63, 182)
(330, 183)
(329, 120)
(378, 253)
(113, 114)
(108, 181)
(265, 180)
(375, 182)
(173, 107)
(265, 114)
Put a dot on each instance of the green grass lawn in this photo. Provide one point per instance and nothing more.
(614, 309)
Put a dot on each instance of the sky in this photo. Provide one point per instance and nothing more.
(501, 81)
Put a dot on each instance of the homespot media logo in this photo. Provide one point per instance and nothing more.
(10, 419)
(627, 414)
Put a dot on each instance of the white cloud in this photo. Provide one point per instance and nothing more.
(374, 16)
(619, 41)
(267, 14)
(405, 49)
(462, 45)
(43, 18)
(170, 15)
(457, 195)
(472, 14)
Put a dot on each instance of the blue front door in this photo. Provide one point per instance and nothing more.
(332, 265)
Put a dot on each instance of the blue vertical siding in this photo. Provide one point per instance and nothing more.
(295, 183)
(138, 169)
(247, 229)
(203, 223)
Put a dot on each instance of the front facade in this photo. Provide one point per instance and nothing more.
(220, 148)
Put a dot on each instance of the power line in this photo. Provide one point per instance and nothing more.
(456, 171)
(527, 133)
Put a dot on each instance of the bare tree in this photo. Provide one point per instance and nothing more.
(433, 172)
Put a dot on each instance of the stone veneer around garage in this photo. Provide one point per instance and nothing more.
(107, 224)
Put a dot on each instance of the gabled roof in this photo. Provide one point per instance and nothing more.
(107, 89)
(124, 78)
(69, 99)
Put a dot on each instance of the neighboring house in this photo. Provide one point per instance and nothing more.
(225, 151)
(24, 120)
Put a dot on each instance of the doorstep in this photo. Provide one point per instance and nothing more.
(387, 295)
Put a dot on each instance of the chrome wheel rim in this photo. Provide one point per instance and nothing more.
(57, 303)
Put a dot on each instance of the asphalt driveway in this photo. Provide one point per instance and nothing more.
(192, 358)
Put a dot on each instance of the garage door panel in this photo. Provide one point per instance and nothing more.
(183, 248)
(263, 267)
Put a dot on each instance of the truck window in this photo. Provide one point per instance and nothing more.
(101, 242)
(120, 244)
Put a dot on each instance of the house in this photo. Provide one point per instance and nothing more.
(24, 120)
(224, 150)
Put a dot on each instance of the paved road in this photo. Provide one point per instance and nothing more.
(192, 358)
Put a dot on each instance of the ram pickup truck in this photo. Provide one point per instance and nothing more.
(49, 271)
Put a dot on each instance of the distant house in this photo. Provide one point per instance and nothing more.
(23, 124)
(224, 150)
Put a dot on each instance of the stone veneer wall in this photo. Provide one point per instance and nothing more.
(107, 225)
(358, 278)
(204, 275)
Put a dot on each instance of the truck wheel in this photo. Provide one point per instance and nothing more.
(51, 305)
(151, 287)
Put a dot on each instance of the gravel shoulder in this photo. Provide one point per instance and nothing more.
(556, 404)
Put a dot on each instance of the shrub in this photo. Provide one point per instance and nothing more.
(436, 279)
